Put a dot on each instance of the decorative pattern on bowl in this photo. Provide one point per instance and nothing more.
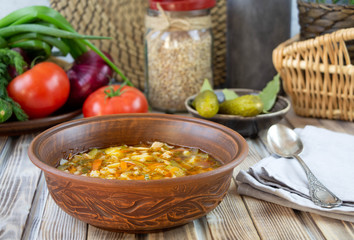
(138, 210)
(138, 205)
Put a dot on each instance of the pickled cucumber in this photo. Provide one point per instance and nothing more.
(206, 103)
(246, 106)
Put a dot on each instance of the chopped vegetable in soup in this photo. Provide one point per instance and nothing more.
(142, 162)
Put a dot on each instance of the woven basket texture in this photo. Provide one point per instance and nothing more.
(316, 19)
(317, 74)
(124, 22)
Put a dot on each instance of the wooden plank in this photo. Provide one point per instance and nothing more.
(333, 228)
(270, 218)
(274, 221)
(338, 126)
(18, 181)
(300, 122)
(97, 233)
(5, 145)
(202, 229)
(186, 231)
(348, 127)
(230, 220)
(58, 225)
(257, 151)
(3, 140)
(310, 225)
(38, 205)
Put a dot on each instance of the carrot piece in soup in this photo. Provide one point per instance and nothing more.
(123, 165)
(96, 164)
(140, 177)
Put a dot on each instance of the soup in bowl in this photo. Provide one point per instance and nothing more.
(137, 205)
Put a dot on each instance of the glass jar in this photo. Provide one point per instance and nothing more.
(178, 51)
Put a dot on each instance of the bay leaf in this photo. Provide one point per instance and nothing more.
(269, 94)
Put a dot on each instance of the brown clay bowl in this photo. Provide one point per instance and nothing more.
(247, 126)
(137, 205)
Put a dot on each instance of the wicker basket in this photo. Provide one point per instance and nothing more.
(316, 19)
(123, 20)
(317, 75)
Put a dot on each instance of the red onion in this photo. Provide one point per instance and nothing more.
(88, 73)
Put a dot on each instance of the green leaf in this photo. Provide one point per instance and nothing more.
(269, 94)
(229, 94)
(206, 86)
(7, 105)
(18, 111)
(9, 57)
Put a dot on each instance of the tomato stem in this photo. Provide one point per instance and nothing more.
(34, 61)
(110, 92)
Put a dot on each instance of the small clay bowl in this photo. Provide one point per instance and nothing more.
(247, 126)
(137, 205)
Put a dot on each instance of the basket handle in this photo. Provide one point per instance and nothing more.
(293, 47)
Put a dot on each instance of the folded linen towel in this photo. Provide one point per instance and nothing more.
(329, 155)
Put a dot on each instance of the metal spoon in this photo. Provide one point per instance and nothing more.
(284, 142)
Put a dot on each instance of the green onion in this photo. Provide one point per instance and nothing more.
(56, 42)
(31, 19)
(35, 12)
(11, 30)
(3, 43)
(34, 45)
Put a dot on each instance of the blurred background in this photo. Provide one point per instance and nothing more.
(251, 30)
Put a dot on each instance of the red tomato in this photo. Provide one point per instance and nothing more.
(41, 90)
(104, 101)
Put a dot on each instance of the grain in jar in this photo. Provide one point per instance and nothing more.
(178, 45)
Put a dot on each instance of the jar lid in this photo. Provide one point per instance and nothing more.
(182, 5)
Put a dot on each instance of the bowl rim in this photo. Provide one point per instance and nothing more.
(240, 155)
(228, 116)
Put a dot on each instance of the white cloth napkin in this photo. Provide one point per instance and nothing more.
(329, 155)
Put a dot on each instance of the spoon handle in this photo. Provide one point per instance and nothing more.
(319, 194)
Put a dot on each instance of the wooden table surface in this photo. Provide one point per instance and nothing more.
(27, 211)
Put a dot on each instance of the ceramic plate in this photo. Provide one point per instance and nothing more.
(35, 125)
